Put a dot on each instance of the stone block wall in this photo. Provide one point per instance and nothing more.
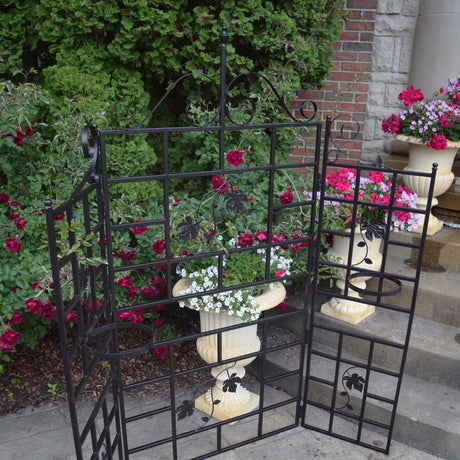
(395, 23)
(371, 67)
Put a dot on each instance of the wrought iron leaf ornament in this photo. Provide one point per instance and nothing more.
(188, 229)
(235, 201)
(185, 410)
(355, 381)
(374, 228)
(231, 383)
(351, 382)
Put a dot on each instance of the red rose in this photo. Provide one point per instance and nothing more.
(16, 318)
(4, 197)
(132, 292)
(149, 292)
(159, 284)
(139, 230)
(8, 340)
(125, 282)
(281, 306)
(89, 307)
(261, 236)
(218, 183)
(20, 223)
(158, 323)
(235, 157)
(34, 305)
(159, 246)
(245, 240)
(124, 316)
(286, 197)
(12, 244)
(71, 317)
(48, 311)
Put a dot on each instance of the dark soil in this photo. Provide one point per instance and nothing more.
(36, 377)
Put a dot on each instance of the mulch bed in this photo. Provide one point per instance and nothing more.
(36, 377)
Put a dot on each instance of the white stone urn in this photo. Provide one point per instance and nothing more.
(364, 256)
(421, 158)
(235, 343)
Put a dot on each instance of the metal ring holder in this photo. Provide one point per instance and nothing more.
(125, 354)
(384, 276)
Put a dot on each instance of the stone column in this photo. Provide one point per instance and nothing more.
(436, 52)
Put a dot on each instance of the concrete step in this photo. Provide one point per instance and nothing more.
(441, 253)
(427, 414)
(438, 296)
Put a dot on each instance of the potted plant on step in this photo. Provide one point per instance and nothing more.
(372, 194)
(431, 127)
(229, 269)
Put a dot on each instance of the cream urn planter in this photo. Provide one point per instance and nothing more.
(421, 158)
(235, 343)
(366, 254)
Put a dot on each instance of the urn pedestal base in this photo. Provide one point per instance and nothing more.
(226, 411)
(365, 254)
(351, 317)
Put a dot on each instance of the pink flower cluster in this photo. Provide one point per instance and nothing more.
(374, 189)
(391, 124)
(435, 121)
(438, 142)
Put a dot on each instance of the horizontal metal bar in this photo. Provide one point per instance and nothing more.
(181, 129)
(149, 413)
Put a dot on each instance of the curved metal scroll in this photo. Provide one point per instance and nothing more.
(278, 97)
(353, 127)
(90, 146)
(168, 92)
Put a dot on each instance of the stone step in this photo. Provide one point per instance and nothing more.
(438, 296)
(441, 253)
(434, 348)
(427, 414)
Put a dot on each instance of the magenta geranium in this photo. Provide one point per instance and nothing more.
(435, 121)
(338, 215)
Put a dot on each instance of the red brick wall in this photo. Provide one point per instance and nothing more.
(345, 91)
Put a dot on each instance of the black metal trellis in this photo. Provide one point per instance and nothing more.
(85, 260)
